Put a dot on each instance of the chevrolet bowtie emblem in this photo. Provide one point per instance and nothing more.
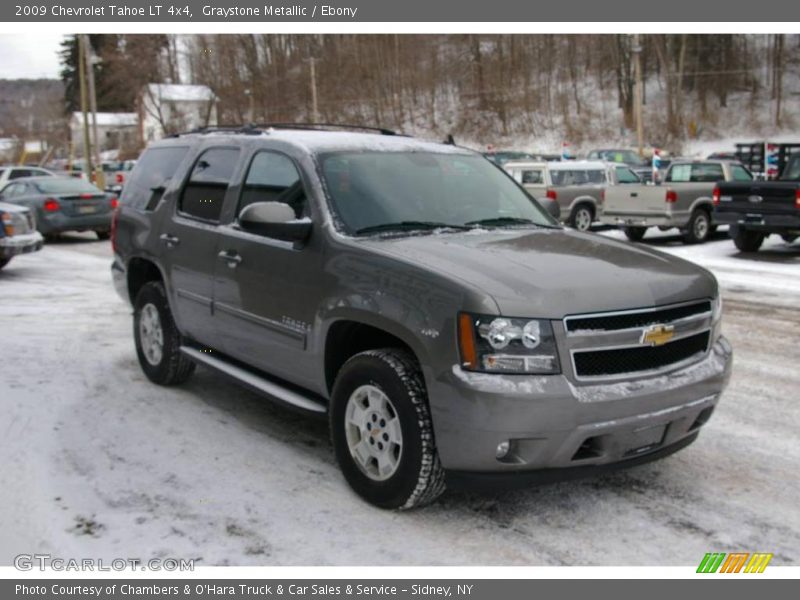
(658, 335)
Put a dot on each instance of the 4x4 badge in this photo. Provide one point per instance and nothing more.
(658, 335)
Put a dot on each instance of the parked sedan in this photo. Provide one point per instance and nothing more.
(63, 204)
(18, 233)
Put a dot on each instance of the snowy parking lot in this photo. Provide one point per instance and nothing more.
(98, 462)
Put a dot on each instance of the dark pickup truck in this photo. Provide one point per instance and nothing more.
(757, 209)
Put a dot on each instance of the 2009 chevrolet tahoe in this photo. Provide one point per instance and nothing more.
(415, 294)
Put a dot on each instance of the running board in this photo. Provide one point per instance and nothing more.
(256, 382)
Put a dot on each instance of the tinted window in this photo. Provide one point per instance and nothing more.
(792, 171)
(577, 176)
(707, 173)
(739, 173)
(273, 177)
(204, 193)
(66, 185)
(533, 176)
(151, 175)
(17, 173)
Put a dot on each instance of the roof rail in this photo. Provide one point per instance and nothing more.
(324, 126)
(257, 128)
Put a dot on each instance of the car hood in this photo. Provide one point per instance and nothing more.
(13, 208)
(550, 273)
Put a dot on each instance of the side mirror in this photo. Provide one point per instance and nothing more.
(274, 220)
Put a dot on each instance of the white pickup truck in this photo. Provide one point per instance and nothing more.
(684, 200)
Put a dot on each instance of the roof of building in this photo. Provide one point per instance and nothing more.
(109, 119)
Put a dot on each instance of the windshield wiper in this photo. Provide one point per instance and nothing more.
(500, 221)
(410, 225)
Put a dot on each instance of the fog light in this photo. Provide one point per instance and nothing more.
(502, 449)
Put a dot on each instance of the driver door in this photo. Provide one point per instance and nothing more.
(265, 295)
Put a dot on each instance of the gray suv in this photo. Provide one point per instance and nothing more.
(418, 297)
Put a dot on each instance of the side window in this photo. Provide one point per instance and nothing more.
(203, 194)
(625, 175)
(533, 176)
(273, 177)
(596, 176)
(739, 173)
(152, 175)
(17, 173)
(11, 190)
(679, 173)
(707, 173)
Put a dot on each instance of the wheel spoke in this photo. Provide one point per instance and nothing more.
(361, 453)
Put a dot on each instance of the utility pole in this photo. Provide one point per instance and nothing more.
(314, 111)
(90, 61)
(87, 154)
(636, 49)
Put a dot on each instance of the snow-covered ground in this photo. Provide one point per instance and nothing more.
(98, 462)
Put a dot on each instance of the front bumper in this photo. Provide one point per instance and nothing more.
(20, 244)
(552, 423)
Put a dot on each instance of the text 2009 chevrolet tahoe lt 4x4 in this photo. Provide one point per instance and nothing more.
(415, 294)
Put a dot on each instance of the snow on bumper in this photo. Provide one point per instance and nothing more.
(20, 244)
(549, 422)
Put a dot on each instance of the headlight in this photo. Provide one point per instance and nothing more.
(504, 345)
(716, 309)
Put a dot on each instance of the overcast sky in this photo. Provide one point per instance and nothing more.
(29, 56)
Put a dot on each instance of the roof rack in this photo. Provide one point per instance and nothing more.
(324, 126)
(257, 128)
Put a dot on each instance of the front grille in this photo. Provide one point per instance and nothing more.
(597, 363)
(629, 320)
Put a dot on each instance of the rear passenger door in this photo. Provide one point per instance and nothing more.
(265, 294)
(188, 240)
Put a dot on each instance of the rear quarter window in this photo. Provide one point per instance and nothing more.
(152, 174)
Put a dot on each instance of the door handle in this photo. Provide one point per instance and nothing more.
(232, 258)
(170, 240)
(634, 194)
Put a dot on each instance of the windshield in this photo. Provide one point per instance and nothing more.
(66, 185)
(409, 190)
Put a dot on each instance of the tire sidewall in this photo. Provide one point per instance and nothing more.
(578, 209)
(153, 293)
(367, 369)
(691, 235)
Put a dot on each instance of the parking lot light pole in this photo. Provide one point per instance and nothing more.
(87, 155)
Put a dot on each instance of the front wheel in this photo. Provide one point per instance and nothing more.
(747, 241)
(582, 217)
(4, 262)
(158, 340)
(382, 431)
(635, 234)
(699, 227)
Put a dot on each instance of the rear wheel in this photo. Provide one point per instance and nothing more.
(698, 228)
(158, 340)
(4, 262)
(747, 241)
(102, 235)
(635, 234)
(582, 217)
(382, 432)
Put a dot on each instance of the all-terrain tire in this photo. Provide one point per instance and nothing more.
(698, 228)
(173, 367)
(747, 240)
(635, 234)
(419, 477)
